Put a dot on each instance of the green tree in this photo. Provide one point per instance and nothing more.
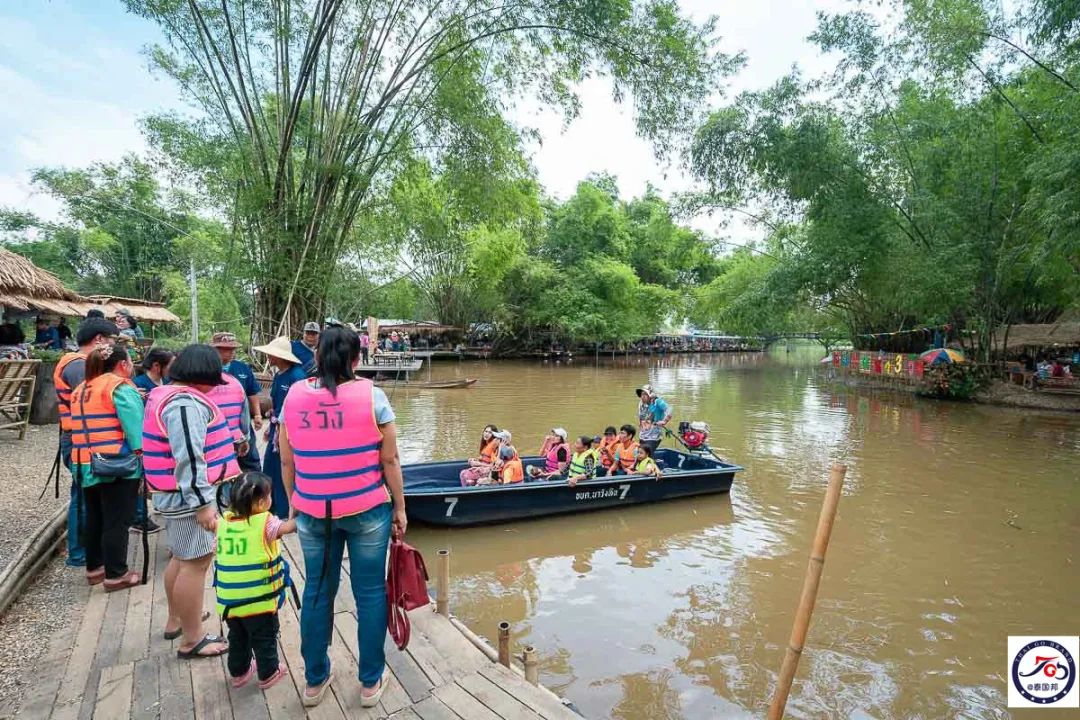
(307, 109)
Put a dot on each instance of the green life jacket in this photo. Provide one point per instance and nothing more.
(249, 576)
(645, 466)
(584, 463)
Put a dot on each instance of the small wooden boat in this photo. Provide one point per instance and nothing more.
(429, 384)
(434, 494)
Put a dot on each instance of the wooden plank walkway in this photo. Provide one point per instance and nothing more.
(114, 663)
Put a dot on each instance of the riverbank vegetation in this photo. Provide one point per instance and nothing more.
(359, 160)
(929, 181)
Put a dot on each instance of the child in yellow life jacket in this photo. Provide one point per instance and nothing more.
(250, 577)
(645, 464)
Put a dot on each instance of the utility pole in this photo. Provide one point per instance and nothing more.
(194, 303)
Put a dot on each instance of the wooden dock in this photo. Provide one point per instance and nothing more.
(114, 664)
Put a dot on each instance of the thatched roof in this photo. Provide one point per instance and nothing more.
(23, 286)
(1061, 333)
(143, 310)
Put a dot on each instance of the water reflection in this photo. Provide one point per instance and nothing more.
(957, 528)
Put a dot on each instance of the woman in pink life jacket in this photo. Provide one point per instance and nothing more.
(556, 454)
(188, 450)
(340, 467)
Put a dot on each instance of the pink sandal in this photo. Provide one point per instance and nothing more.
(128, 580)
(239, 682)
(269, 682)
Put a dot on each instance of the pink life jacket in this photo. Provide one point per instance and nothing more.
(158, 461)
(335, 443)
(553, 457)
(232, 400)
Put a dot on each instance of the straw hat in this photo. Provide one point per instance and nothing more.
(279, 347)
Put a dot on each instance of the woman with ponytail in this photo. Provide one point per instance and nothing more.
(340, 465)
(107, 419)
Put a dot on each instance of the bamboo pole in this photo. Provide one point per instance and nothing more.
(504, 644)
(442, 582)
(809, 592)
(532, 666)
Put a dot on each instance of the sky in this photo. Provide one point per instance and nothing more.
(75, 83)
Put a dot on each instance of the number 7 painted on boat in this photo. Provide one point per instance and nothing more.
(450, 503)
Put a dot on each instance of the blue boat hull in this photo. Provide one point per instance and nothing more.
(434, 494)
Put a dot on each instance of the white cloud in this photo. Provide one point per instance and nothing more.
(75, 87)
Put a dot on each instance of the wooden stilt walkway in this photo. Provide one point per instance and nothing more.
(114, 663)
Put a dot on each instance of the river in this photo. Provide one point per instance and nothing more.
(958, 527)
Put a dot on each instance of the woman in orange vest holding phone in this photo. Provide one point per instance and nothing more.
(340, 467)
(106, 418)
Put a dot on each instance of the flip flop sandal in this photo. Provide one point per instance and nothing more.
(173, 634)
(95, 577)
(313, 700)
(241, 681)
(130, 579)
(373, 699)
(195, 652)
(269, 682)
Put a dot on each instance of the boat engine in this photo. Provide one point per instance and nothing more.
(694, 434)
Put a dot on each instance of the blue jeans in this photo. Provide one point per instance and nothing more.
(76, 552)
(368, 538)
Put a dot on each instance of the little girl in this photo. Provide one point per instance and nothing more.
(250, 577)
(645, 464)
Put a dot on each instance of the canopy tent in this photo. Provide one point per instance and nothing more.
(26, 287)
(1063, 334)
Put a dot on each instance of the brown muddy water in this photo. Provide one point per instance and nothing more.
(959, 526)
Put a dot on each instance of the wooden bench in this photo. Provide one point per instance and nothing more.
(17, 378)
(1063, 385)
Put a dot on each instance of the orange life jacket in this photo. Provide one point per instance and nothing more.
(63, 390)
(487, 455)
(517, 472)
(627, 453)
(95, 426)
(607, 451)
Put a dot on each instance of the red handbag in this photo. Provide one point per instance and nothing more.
(406, 589)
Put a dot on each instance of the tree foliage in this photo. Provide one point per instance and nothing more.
(933, 185)
(308, 109)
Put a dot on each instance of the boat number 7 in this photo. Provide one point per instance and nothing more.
(625, 489)
(450, 503)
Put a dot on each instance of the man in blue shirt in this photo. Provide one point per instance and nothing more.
(304, 349)
(225, 343)
(653, 416)
(47, 338)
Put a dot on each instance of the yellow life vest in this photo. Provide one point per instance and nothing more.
(645, 467)
(580, 463)
(249, 575)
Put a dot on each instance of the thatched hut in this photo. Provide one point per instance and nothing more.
(1049, 335)
(26, 287)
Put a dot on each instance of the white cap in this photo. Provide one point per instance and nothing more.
(311, 327)
(560, 432)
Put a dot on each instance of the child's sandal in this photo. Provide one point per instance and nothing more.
(242, 680)
(269, 682)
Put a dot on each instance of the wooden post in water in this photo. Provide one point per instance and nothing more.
(532, 667)
(809, 592)
(442, 582)
(504, 644)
